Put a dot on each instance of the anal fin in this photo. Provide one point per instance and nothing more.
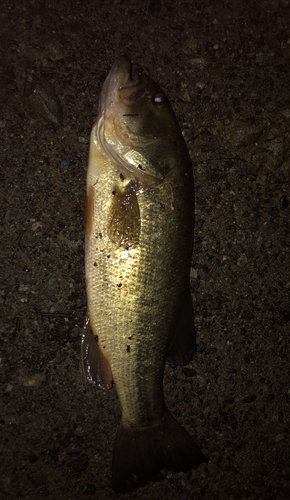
(96, 367)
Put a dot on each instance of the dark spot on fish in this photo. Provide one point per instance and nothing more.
(119, 286)
(95, 264)
(96, 338)
(104, 347)
(122, 177)
(113, 192)
(128, 348)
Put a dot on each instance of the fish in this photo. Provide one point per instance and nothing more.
(139, 233)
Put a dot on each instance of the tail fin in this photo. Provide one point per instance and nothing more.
(139, 454)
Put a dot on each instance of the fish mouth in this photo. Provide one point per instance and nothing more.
(119, 76)
(119, 86)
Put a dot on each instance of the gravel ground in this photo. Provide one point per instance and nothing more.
(225, 68)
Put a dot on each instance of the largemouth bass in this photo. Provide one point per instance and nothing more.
(139, 231)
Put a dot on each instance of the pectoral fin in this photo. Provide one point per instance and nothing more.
(124, 218)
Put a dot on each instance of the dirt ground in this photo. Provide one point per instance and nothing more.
(225, 67)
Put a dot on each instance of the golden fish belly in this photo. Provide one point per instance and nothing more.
(136, 293)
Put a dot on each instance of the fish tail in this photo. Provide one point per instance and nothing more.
(139, 454)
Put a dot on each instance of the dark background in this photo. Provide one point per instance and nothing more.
(225, 68)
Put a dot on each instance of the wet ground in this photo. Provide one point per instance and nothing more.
(225, 68)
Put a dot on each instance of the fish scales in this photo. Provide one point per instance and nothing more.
(138, 251)
(136, 292)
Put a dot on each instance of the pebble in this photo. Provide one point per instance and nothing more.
(90, 489)
(269, 227)
(40, 98)
(79, 431)
(51, 287)
(60, 359)
(75, 332)
(284, 203)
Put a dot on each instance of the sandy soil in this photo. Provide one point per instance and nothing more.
(225, 67)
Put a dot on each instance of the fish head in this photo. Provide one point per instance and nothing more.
(136, 125)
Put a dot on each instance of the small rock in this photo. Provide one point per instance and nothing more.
(200, 223)
(51, 287)
(75, 332)
(81, 463)
(90, 489)
(188, 372)
(284, 203)
(40, 97)
(79, 431)
(33, 458)
(60, 359)
(242, 260)
(250, 399)
(270, 227)
(73, 449)
(65, 164)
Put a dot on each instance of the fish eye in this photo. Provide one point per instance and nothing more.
(159, 98)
